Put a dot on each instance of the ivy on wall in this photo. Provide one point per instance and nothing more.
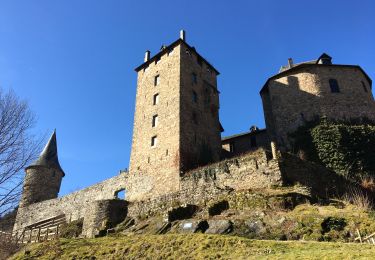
(346, 148)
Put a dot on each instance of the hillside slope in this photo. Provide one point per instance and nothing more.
(192, 246)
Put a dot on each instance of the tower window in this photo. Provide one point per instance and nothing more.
(156, 80)
(155, 99)
(157, 60)
(194, 78)
(195, 97)
(154, 141)
(231, 147)
(200, 61)
(253, 141)
(334, 85)
(195, 119)
(154, 120)
(364, 86)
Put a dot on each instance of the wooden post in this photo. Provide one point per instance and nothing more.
(38, 236)
(46, 237)
(359, 236)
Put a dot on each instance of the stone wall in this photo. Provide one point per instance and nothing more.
(302, 94)
(74, 205)
(255, 170)
(104, 214)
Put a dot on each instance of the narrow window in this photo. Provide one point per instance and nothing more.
(157, 60)
(195, 97)
(194, 78)
(207, 96)
(195, 119)
(166, 152)
(148, 159)
(156, 99)
(253, 141)
(157, 80)
(231, 147)
(364, 87)
(334, 85)
(154, 141)
(154, 120)
(200, 61)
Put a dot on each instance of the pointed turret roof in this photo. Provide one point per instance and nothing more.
(48, 156)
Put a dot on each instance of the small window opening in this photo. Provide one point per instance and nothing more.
(364, 86)
(188, 52)
(120, 194)
(154, 141)
(157, 60)
(154, 120)
(334, 85)
(231, 147)
(148, 159)
(200, 61)
(156, 99)
(157, 80)
(195, 119)
(166, 152)
(195, 97)
(253, 141)
(194, 78)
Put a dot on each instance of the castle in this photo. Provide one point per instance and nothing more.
(177, 129)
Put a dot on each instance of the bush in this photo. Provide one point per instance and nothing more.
(347, 149)
(72, 229)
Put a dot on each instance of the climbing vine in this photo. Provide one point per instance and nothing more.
(346, 148)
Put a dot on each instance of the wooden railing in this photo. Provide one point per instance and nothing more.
(366, 239)
(41, 231)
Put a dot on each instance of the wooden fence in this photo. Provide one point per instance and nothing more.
(41, 231)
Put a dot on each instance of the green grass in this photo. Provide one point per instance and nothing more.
(191, 246)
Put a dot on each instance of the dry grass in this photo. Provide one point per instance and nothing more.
(359, 199)
(368, 183)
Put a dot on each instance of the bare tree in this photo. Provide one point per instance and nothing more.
(17, 147)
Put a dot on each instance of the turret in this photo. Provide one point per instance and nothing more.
(43, 177)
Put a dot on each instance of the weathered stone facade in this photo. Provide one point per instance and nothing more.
(303, 93)
(75, 205)
(176, 121)
(177, 148)
(243, 143)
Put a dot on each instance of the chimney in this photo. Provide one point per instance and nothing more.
(290, 63)
(182, 35)
(147, 56)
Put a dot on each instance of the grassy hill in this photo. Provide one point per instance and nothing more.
(192, 246)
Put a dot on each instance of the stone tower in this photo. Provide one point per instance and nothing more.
(43, 177)
(303, 92)
(176, 121)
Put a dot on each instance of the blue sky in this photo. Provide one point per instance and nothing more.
(74, 61)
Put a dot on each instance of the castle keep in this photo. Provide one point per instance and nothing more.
(178, 155)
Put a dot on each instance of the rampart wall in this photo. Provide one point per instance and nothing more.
(75, 205)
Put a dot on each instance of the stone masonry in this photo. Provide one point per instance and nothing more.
(177, 155)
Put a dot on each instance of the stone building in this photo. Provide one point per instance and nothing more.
(176, 121)
(177, 128)
(242, 143)
(309, 90)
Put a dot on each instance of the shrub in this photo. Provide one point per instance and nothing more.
(72, 229)
(343, 147)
